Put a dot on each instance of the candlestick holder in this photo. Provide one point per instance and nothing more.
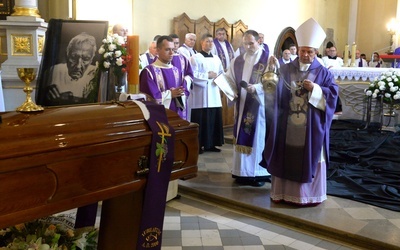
(27, 75)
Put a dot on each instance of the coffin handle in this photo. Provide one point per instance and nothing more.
(143, 164)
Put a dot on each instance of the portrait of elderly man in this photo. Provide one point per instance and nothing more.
(71, 81)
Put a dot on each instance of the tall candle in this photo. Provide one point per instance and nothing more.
(346, 55)
(133, 73)
(353, 55)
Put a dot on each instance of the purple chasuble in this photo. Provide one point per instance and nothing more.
(221, 53)
(248, 123)
(318, 123)
(154, 80)
(183, 65)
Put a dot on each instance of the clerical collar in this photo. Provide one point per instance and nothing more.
(160, 64)
(205, 54)
(304, 66)
(332, 57)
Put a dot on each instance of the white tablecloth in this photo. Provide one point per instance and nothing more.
(358, 74)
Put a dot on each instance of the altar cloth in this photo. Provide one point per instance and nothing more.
(358, 74)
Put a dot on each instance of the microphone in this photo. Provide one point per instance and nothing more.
(243, 84)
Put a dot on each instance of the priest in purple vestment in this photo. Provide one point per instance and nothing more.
(285, 57)
(183, 65)
(297, 146)
(222, 48)
(250, 123)
(163, 81)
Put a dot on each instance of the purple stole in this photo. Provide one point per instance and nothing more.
(360, 63)
(281, 62)
(160, 166)
(180, 64)
(149, 59)
(245, 137)
(221, 53)
(186, 47)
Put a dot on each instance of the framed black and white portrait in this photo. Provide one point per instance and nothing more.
(67, 74)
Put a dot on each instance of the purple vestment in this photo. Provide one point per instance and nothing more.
(247, 125)
(221, 53)
(281, 62)
(317, 127)
(183, 64)
(155, 80)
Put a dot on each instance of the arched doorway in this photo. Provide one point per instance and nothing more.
(285, 38)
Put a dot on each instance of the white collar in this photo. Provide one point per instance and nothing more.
(160, 64)
(304, 66)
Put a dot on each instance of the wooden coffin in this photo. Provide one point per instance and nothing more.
(67, 157)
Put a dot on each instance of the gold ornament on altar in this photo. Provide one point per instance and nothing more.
(27, 75)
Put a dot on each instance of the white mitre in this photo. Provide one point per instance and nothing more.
(310, 34)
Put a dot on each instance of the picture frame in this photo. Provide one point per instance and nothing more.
(6, 8)
(67, 74)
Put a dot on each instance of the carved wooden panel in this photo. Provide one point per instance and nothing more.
(238, 30)
(203, 26)
(183, 25)
(222, 23)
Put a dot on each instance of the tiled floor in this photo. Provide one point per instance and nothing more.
(216, 213)
(192, 224)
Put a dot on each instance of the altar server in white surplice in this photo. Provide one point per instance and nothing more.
(332, 60)
(205, 99)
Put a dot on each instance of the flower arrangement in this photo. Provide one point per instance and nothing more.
(50, 233)
(114, 55)
(386, 86)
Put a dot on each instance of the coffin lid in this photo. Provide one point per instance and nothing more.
(66, 127)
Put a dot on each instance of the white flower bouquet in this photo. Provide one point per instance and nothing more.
(386, 86)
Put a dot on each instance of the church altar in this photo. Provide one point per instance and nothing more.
(352, 82)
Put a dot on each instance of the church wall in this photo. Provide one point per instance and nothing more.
(267, 16)
(373, 15)
(151, 17)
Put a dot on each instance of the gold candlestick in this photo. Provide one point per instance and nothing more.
(346, 56)
(353, 55)
(27, 75)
